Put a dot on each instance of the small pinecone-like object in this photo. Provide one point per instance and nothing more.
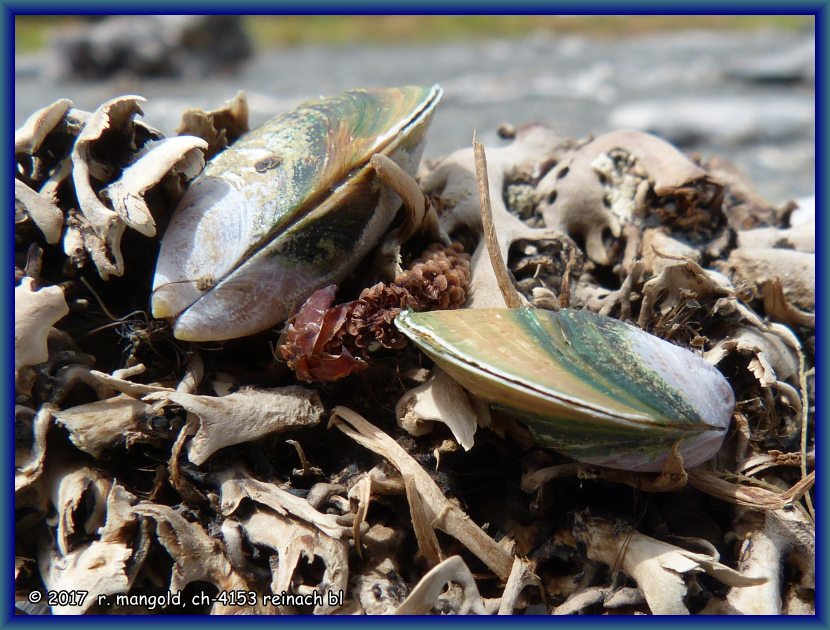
(325, 343)
(371, 319)
(439, 279)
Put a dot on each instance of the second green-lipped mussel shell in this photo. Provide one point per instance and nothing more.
(290, 207)
(588, 386)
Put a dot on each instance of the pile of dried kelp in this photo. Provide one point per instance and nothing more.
(157, 476)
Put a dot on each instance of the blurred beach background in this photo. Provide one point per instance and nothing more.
(740, 87)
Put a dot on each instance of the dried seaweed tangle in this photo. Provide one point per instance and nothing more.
(150, 471)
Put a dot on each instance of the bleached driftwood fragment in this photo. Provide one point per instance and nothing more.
(35, 312)
(772, 359)
(675, 283)
(603, 184)
(198, 556)
(101, 567)
(243, 416)
(754, 266)
(293, 529)
(106, 227)
(104, 424)
(73, 486)
(661, 250)
(30, 136)
(801, 237)
(441, 399)
(293, 540)
(235, 485)
(521, 576)
(380, 588)
(42, 210)
(428, 506)
(768, 539)
(29, 462)
(425, 594)
(182, 155)
(219, 127)
(656, 566)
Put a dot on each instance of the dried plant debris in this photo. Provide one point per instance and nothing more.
(29, 204)
(35, 311)
(219, 127)
(241, 416)
(29, 458)
(626, 177)
(154, 476)
(751, 268)
(326, 343)
(103, 424)
(97, 170)
(657, 567)
(441, 399)
(424, 596)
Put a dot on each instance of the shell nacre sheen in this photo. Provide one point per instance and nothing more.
(588, 386)
(290, 207)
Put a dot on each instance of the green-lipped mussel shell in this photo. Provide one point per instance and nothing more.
(587, 386)
(290, 207)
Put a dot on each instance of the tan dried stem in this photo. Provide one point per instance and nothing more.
(439, 512)
(511, 296)
(623, 294)
(363, 492)
(748, 495)
(307, 469)
(633, 236)
(521, 576)
(656, 566)
(805, 409)
(376, 481)
(425, 594)
(422, 522)
(776, 306)
(419, 216)
(407, 189)
(565, 287)
(188, 491)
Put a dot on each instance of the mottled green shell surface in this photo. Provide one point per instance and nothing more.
(290, 207)
(588, 386)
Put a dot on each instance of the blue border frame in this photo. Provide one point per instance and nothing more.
(8, 10)
(461, 7)
(822, 175)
